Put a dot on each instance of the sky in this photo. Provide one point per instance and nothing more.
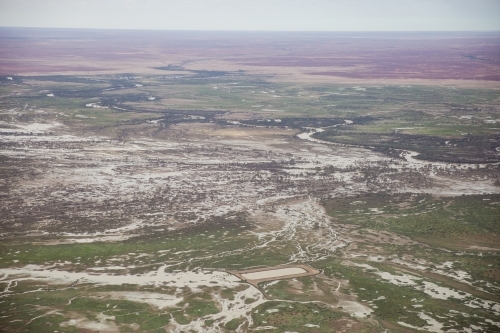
(255, 15)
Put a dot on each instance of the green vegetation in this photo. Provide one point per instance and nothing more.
(442, 124)
(233, 324)
(266, 257)
(464, 134)
(301, 289)
(395, 304)
(198, 306)
(295, 316)
(56, 307)
(458, 221)
(198, 242)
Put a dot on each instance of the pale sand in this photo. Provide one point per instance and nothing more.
(274, 273)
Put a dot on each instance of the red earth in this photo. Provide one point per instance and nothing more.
(455, 56)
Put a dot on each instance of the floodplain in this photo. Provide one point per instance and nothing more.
(260, 192)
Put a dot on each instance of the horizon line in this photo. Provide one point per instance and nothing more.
(241, 30)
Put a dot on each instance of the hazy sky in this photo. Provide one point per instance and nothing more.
(315, 15)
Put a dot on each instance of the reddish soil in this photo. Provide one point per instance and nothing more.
(456, 56)
(464, 56)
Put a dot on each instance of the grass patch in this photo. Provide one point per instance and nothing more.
(450, 222)
(395, 304)
(88, 254)
(233, 324)
(294, 316)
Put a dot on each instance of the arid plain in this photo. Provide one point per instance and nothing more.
(249, 182)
